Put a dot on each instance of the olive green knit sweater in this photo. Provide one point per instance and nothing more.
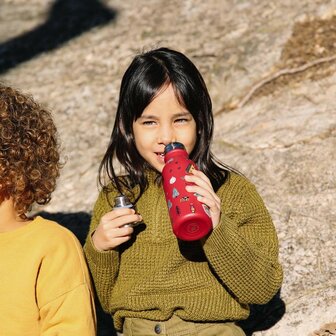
(155, 275)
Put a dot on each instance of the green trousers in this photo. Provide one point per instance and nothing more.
(177, 327)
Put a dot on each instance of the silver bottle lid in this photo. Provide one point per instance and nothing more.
(122, 201)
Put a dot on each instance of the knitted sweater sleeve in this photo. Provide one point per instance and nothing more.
(103, 266)
(243, 249)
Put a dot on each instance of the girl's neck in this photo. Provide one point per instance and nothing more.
(9, 219)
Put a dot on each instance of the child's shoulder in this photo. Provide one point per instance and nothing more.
(57, 248)
(238, 190)
(236, 180)
(236, 185)
(53, 232)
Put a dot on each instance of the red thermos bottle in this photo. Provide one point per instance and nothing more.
(190, 218)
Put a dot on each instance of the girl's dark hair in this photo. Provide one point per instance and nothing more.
(146, 75)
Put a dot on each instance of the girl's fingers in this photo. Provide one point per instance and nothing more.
(119, 241)
(120, 217)
(210, 199)
(200, 179)
(111, 231)
(214, 207)
(119, 232)
(202, 185)
(203, 189)
(108, 238)
(117, 213)
(113, 243)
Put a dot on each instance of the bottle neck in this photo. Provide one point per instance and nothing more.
(176, 153)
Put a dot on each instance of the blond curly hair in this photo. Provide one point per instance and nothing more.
(29, 151)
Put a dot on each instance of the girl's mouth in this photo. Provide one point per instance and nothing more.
(160, 156)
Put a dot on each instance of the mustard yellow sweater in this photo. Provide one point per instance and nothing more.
(44, 283)
(156, 276)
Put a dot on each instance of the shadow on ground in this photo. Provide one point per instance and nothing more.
(262, 317)
(67, 19)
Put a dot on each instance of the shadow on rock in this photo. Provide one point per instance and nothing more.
(67, 19)
(78, 223)
(263, 317)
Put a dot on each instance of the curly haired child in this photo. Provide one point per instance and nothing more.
(44, 282)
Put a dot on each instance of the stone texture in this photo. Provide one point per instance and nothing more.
(283, 138)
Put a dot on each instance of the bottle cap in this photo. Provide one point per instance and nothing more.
(122, 201)
(173, 145)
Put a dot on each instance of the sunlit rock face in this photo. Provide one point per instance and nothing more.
(270, 69)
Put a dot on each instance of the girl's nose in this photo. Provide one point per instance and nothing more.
(166, 135)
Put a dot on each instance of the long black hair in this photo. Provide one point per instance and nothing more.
(147, 74)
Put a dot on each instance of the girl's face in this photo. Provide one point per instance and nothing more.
(163, 121)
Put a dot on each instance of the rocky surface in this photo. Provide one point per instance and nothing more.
(270, 68)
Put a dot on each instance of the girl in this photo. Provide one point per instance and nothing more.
(148, 280)
(44, 282)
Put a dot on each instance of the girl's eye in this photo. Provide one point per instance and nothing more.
(148, 122)
(181, 120)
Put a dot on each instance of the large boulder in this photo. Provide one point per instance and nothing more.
(270, 68)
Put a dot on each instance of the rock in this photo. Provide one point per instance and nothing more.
(282, 137)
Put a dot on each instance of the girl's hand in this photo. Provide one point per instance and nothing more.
(207, 196)
(110, 232)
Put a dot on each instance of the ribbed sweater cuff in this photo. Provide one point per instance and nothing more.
(219, 235)
(102, 259)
